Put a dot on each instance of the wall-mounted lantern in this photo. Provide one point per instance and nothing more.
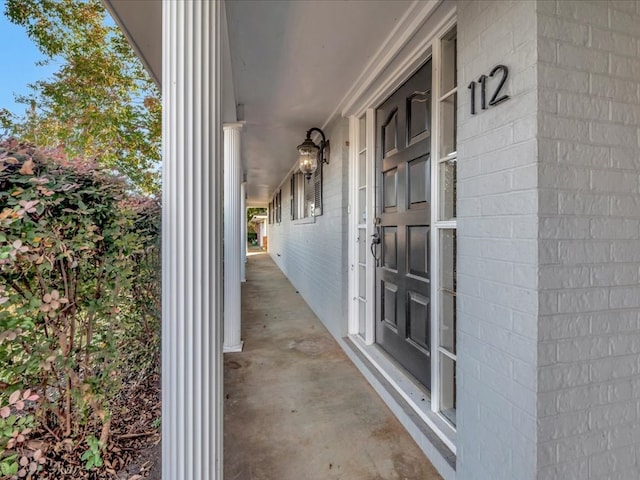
(310, 153)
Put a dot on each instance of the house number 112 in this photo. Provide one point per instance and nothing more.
(496, 97)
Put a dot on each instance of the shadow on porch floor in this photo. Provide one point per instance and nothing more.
(295, 406)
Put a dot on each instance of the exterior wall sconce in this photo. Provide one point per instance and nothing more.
(310, 153)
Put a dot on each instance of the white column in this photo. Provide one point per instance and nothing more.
(232, 256)
(191, 242)
(243, 233)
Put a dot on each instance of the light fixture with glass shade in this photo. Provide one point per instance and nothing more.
(310, 153)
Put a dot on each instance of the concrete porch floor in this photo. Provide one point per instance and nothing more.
(295, 406)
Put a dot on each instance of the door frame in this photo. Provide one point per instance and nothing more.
(379, 89)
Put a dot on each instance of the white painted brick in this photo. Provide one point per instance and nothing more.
(551, 126)
(582, 106)
(561, 176)
(546, 7)
(510, 204)
(560, 29)
(547, 51)
(574, 470)
(589, 444)
(622, 21)
(555, 377)
(609, 41)
(547, 302)
(583, 154)
(617, 89)
(614, 322)
(488, 184)
(583, 348)
(514, 156)
(625, 67)
(564, 425)
(494, 140)
(625, 297)
(609, 415)
(625, 206)
(628, 6)
(592, 12)
(583, 251)
(554, 77)
(568, 227)
(612, 461)
(564, 326)
(585, 300)
(583, 58)
(614, 135)
(574, 276)
(627, 113)
(547, 354)
(579, 203)
(624, 345)
(614, 228)
(614, 274)
(548, 252)
(625, 251)
(606, 369)
(582, 398)
(624, 435)
(583, 215)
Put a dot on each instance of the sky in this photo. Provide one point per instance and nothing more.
(19, 56)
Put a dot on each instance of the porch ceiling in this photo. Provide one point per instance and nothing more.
(293, 62)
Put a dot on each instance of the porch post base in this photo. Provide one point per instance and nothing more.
(233, 348)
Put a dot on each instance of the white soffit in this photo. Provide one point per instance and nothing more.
(293, 63)
(141, 22)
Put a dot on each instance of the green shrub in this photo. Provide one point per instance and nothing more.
(79, 288)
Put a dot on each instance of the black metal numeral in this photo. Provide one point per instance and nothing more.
(483, 91)
(495, 100)
(472, 87)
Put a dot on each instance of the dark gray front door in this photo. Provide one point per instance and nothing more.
(403, 166)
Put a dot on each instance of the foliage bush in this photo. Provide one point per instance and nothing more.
(79, 301)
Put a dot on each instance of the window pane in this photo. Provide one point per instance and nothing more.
(362, 282)
(448, 321)
(362, 245)
(448, 290)
(448, 77)
(448, 179)
(362, 129)
(362, 169)
(448, 125)
(362, 319)
(448, 388)
(362, 206)
(448, 259)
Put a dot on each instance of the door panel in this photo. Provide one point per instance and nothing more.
(403, 166)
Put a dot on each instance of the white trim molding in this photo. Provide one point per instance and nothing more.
(191, 241)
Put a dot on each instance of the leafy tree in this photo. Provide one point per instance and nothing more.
(101, 104)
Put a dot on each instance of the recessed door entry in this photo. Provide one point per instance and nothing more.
(403, 166)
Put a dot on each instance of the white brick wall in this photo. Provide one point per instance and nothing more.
(497, 246)
(314, 256)
(589, 351)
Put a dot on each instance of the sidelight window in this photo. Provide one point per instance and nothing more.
(444, 248)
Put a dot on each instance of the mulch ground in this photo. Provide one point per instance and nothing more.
(133, 452)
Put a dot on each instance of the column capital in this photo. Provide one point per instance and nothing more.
(233, 126)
